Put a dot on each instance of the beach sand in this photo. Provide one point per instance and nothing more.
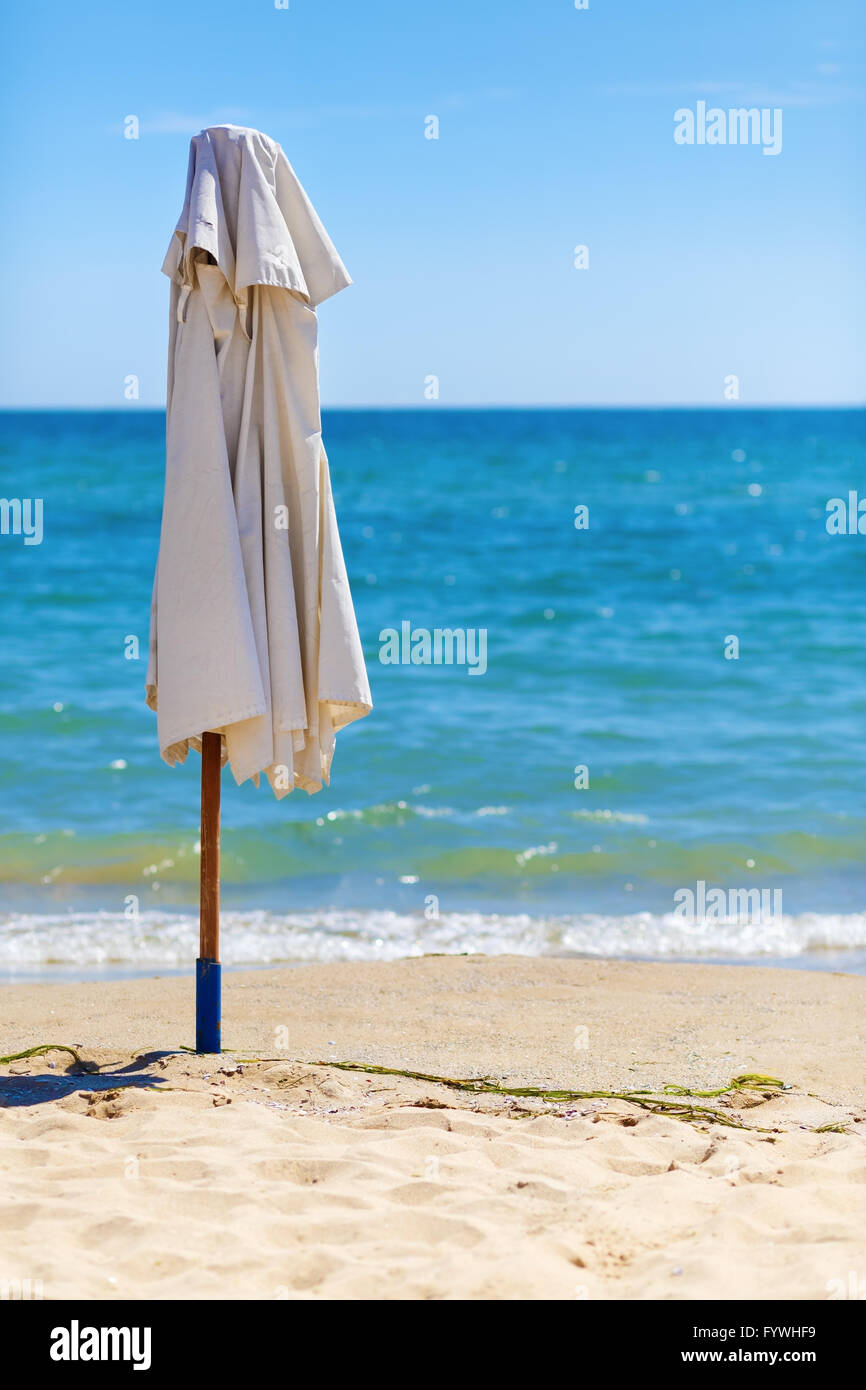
(176, 1176)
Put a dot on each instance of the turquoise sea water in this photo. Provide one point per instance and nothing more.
(453, 822)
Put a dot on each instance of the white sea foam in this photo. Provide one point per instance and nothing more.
(102, 941)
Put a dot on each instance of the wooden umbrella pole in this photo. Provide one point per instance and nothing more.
(207, 977)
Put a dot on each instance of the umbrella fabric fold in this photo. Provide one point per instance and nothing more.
(253, 632)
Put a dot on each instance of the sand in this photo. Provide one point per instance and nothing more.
(258, 1175)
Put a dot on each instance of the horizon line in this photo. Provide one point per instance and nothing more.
(431, 408)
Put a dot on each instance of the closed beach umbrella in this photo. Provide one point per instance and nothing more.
(255, 657)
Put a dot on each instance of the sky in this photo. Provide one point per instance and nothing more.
(717, 274)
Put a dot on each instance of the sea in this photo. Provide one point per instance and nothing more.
(661, 755)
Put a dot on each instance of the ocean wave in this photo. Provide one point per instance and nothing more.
(41, 943)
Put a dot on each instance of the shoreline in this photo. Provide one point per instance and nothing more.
(852, 963)
(89, 944)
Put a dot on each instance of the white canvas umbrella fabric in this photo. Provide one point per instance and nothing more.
(253, 632)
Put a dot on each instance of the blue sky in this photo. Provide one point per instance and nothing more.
(555, 129)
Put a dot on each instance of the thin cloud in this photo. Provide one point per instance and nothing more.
(300, 117)
(806, 94)
(179, 123)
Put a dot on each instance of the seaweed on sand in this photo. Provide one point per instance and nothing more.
(675, 1101)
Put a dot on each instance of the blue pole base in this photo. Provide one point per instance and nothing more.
(207, 1006)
